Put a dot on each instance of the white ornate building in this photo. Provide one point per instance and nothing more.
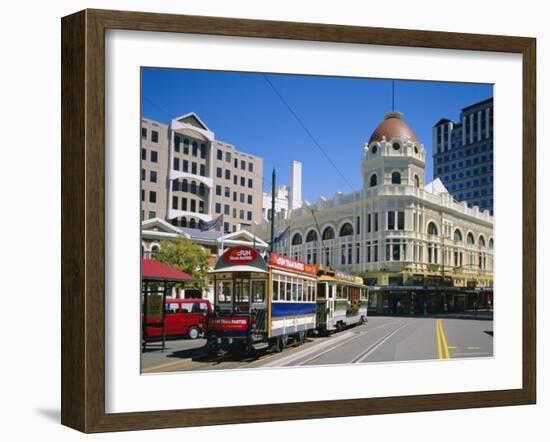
(409, 240)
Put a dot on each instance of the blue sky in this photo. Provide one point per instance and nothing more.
(341, 113)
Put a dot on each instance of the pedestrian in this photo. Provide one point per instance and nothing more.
(398, 307)
(425, 308)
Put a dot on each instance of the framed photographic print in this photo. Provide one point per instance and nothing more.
(266, 221)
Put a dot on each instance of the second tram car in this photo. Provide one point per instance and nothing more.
(342, 300)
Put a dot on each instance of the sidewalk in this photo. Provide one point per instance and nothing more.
(467, 314)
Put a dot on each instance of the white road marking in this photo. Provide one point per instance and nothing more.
(362, 356)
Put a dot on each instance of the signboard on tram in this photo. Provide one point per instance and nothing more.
(240, 255)
(287, 263)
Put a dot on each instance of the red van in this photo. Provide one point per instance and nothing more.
(184, 317)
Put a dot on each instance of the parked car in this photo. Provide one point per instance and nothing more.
(183, 317)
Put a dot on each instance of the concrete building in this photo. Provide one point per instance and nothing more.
(411, 242)
(286, 198)
(463, 155)
(197, 177)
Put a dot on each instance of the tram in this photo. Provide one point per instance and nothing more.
(258, 305)
(342, 300)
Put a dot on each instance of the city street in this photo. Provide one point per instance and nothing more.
(382, 339)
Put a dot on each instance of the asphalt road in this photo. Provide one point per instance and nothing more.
(382, 339)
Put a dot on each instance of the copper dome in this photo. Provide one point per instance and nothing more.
(393, 126)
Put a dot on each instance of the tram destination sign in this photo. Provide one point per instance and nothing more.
(287, 263)
(240, 255)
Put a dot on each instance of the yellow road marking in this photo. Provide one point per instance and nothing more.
(442, 346)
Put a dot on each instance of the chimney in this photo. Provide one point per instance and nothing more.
(295, 193)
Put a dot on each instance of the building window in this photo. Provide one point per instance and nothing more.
(391, 220)
(234, 212)
(401, 220)
(195, 150)
(396, 146)
(152, 197)
(185, 166)
(346, 230)
(194, 168)
(142, 195)
(235, 179)
(328, 233)
(219, 154)
(243, 165)
(154, 156)
(396, 178)
(235, 196)
(297, 239)
(202, 189)
(186, 146)
(218, 172)
(193, 223)
(416, 181)
(203, 151)
(368, 223)
(143, 132)
(152, 214)
(154, 136)
(432, 229)
(177, 142)
(242, 181)
(250, 167)
(153, 176)
(184, 204)
(249, 199)
(241, 214)
(312, 236)
(249, 216)
(376, 222)
(175, 202)
(226, 210)
(143, 154)
(228, 157)
(227, 174)
(235, 163)
(241, 197)
(250, 183)
(227, 192)
(358, 225)
(176, 163)
(143, 174)
(219, 190)
(184, 186)
(193, 205)
(373, 180)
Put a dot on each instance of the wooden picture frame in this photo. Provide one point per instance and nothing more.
(83, 219)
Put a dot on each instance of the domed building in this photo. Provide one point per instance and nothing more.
(412, 242)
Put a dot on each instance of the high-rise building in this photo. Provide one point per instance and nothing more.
(286, 198)
(463, 155)
(196, 177)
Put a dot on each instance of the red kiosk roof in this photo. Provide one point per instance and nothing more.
(152, 269)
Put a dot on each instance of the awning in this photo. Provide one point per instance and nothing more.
(242, 268)
(158, 271)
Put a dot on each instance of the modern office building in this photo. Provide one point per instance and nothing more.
(463, 155)
(189, 177)
(411, 242)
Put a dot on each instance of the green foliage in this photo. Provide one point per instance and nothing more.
(185, 255)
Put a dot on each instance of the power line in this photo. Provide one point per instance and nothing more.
(308, 132)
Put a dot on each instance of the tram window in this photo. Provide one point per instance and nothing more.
(288, 290)
(242, 291)
(282, 290)
(258, 291)
(314, 292)
(224, 292)
(171, 308)
(300, 291)
(275, 292)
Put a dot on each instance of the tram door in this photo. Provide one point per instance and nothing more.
(242, 294)
(331, 295)
(258, 310)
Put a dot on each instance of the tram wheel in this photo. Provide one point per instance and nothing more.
(301, 337)
(279, 345)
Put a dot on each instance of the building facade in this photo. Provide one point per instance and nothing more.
(286, 198)
(463, 155)
(196, 177)
(411, 242)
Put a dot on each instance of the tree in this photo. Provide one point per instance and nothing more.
(185, 255)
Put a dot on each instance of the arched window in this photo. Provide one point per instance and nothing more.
(432, 229)
(155, 251)
(328, 233)
(297, 239)
(481, 241)
(491, 243)
(373, 180)
(193, 223)
(346, 230)
(396, 178)
(470, 239)
(193, 187)
(374, 149)
(416, 181)
(311, 236)
(183, 222)
(202, 189)
(457, 235)
(184, 186)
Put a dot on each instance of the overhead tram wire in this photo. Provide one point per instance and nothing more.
(307, 131)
